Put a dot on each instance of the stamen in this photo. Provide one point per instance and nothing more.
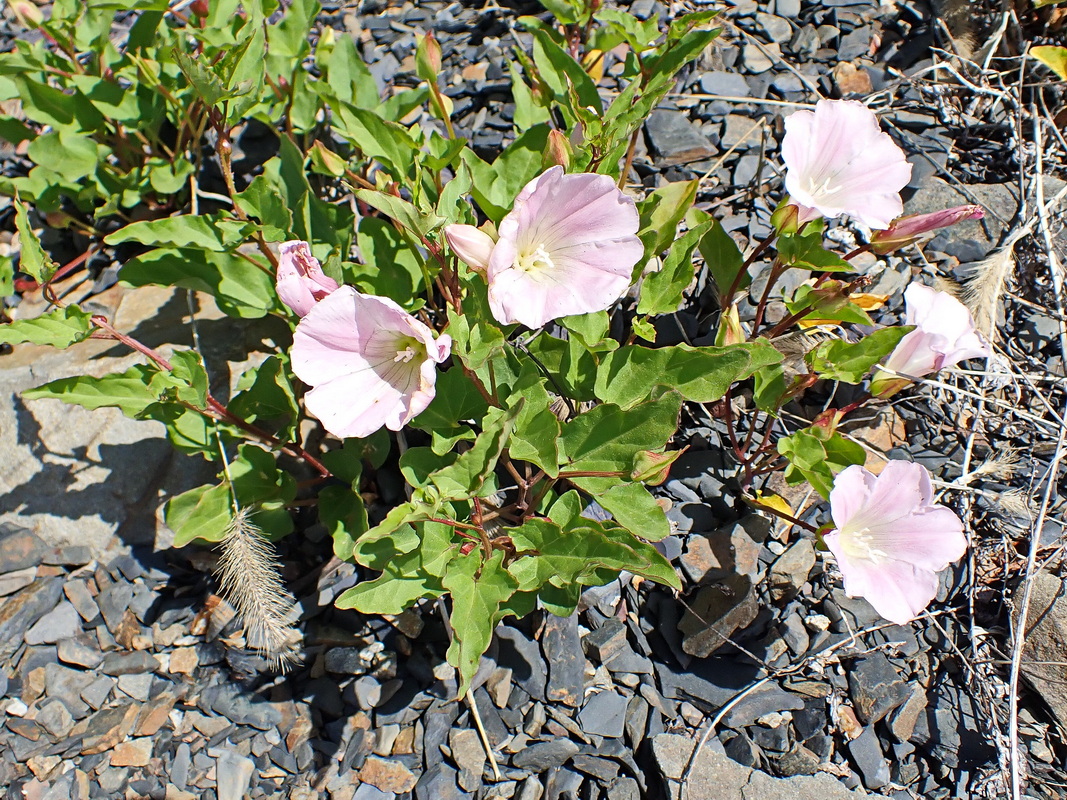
(405, 355)
(537, 260)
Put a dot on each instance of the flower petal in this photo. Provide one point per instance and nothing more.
(839, 161)
(898, 591)
(852, 487)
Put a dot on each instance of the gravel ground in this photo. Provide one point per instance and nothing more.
(124, 675)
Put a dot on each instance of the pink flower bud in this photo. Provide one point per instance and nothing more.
(301, 281)
(906, 230)
(472, 245)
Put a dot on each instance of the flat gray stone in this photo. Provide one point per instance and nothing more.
(233, 775)
(675, 140)
(604, 714)
(715, 775)
(62, 622)
(20, 611)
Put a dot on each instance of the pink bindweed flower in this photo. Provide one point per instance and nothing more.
(370, 363)
(472, 245)
(906, 230)
(301, 281)
(568, 246)
(891, 539)
(944, 335)
(838, 161)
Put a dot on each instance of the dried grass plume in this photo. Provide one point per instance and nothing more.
(249, 579)
(985, 287)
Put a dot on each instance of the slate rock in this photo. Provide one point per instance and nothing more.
(875, 687)
(725, 84)
(233, 775)
(867, 754)
(469, 755)
(20, 548)
(714, 775)
(798, 760)
(107, 728)
(604, 714)
(522, 655)
(129, 663)
(62, 622)
(439, 782)
(566, 662)
(545, 755)
(768, 699)
(716, 613)
(790, 571)
(19, 612)
(903, 721)
(241, 708)
(1045, 643)
(675, 140)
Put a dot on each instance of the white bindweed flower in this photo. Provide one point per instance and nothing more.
(839, 162)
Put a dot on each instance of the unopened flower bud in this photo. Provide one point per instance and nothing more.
(428, 58)
(27, 14)
(472, 245)
(786, 218)
(200, 8)
(558, 150)
(905, 230)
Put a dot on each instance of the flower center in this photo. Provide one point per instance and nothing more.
(858, 545)
(406, 349)
(823, 189)
(536, 260)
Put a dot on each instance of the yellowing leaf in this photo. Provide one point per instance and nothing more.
(775, 502)
(869, 302)
(1053, 57)
(593, 64)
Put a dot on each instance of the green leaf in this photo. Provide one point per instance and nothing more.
(400, 586)
(723, 259)
(68, 154)
(263, 201)
(416, 221)
(565, 11)
(390, 268)
(635, 509)
(826, 304)
(128, 391)
(241, 288)
(208, 86)
(455, 401)
(264, 394)
(32, 258)
(700, 374)
(474, 345)
(342, 512)
(662, 291)
(468, 475)
(817, 460)
(849, 362)
(208, 232)
(806, 251)
(769, 388)
(385, 142)
(536, 434)
(605, 438)
(661, 212)
(564, 75)
(60, 327)
(417, 464)
(478, 588)
(202, 513)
